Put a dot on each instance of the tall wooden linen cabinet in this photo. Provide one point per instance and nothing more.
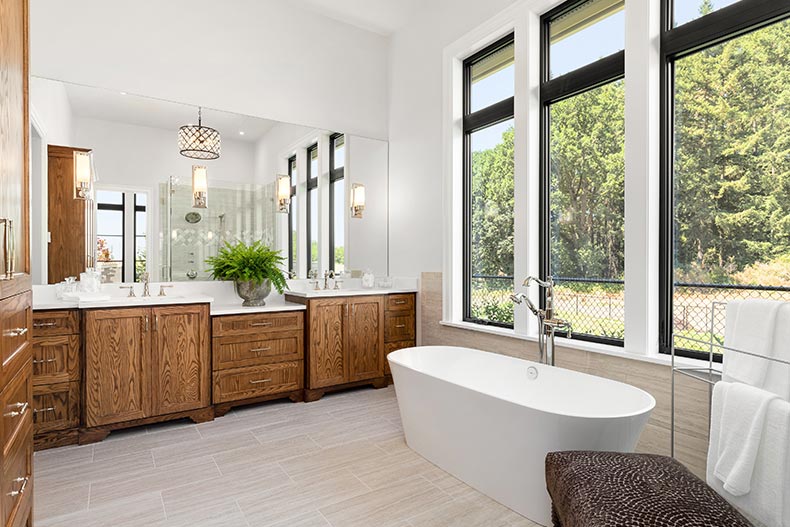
(16, 370)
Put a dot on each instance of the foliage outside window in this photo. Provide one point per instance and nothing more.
(488, 189)
(730, 176)
(337, 202)
(293, 218)
(312, 208)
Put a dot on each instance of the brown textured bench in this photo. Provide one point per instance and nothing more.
(611, 489)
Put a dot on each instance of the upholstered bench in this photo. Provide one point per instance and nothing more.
(610, 489)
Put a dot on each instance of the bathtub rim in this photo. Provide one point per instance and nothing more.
(394, 356)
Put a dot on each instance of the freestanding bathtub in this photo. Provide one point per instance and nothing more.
(489, 421)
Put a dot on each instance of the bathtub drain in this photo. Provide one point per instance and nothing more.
(532, 373)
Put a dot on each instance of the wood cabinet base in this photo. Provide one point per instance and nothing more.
(58, 438)
(315, 394)
(96, 434)
(221, 409)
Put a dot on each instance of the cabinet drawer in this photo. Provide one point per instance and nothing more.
(56, 359)
(247, 383)
(17, 483)
(237, 352)
(402, 302)
(16, 401)
(398, 326)
(15, 320)
(48, 323)
(56, 407)
(395, 346)
(255, 324)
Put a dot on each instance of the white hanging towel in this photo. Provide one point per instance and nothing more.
(749, 327)
(748, 452)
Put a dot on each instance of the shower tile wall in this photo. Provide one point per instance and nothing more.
(243, 212)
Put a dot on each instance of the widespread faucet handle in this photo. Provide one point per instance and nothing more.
(162, 289)
(130, 288)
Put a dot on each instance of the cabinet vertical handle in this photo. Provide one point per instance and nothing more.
(346, 310)
(9, 247)
(156, 322)
(145, 318)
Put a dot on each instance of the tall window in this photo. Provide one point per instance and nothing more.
(337, 202)
(583, 165)
(293, 218)
(121, 235)
(725, 163)
(312, 208)
(488, 184)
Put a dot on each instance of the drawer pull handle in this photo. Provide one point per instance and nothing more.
(15, 413)
(17, 332)
(262, 381)
(260, 350)
(23, 481)
(43, 410)
(44, 324)
(400, 302)
(400, 326)
(260, 324)
(44, 361)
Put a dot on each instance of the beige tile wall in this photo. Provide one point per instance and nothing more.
(691, 396)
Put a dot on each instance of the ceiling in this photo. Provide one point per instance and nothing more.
(379, 16)
(107, 105)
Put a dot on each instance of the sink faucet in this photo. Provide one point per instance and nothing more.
(327, 276)
(548, 322)
(146, 289)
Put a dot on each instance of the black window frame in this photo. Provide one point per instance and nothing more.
(291, 218)
(552, 90)
(701, 33)
(491, 115)
(312, 184)
(335, 174)
(117, 207)
(138, 208)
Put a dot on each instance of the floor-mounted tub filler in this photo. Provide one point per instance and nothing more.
(490, 420)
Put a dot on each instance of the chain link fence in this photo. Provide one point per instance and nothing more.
(596, 306)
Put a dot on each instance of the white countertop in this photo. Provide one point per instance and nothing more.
(329, 293)
(273, 305)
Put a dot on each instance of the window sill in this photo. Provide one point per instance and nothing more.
(592, 347)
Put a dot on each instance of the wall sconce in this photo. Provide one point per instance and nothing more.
(83, 174)
(283, 194)
(357, 200)
(199, 187)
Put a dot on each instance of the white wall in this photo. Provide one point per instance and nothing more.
(415, 130)
(265, 58)
(51, 111)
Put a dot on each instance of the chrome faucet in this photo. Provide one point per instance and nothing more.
(146, 289)
(327, 276)
(548, 323)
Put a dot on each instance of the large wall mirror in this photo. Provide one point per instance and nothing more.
(290, 186)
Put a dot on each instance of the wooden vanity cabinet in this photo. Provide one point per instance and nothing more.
(56, 377)
(145, 364)
(400, 324)
(345, 343)
(257, 357)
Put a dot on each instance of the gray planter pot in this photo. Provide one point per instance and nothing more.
(253, 293)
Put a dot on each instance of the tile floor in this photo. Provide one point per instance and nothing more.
(338, 462)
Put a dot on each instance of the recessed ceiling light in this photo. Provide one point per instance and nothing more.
(241, 133)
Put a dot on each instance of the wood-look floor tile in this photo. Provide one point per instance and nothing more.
(142, 442)
(95, 471)
(464, 513)
(387, 506)
(347, 430)
(330, 459)
(311, 519)
(160, 478)
(60, 498)
(245, 459)
(176, 453)
(138, 511)
(386, 469)
(227, 514)
(290, 501)
(54, 458)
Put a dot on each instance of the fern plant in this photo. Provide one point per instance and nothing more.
(248, 263)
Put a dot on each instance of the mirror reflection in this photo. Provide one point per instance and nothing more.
(115, 190)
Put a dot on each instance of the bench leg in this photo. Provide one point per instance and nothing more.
(555, 519)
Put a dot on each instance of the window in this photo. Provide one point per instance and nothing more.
(583, 166)
(312, 208)
(293, 218)
(488, 184)
(725, 169)
(121, 235)
(337, 202)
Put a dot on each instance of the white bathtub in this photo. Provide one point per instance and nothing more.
(479, 416)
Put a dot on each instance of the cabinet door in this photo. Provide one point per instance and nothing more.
(327, 336)
(365, 344)
(181, 373)
(117, 365)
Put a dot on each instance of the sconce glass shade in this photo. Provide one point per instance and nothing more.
(199, 187)
(283, 193)
(83, 174)
(357, 200)
(198, 141)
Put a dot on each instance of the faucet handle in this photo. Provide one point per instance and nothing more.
(162, 289)
(130, 288)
